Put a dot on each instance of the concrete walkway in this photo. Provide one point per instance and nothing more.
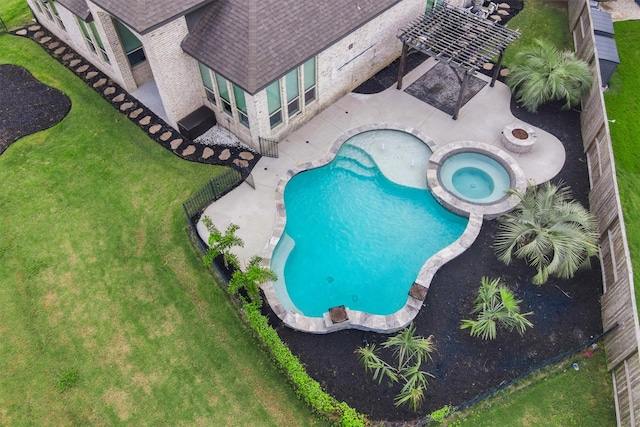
(481, 119)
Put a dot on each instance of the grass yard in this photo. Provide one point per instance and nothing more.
(15, 13)
(622, 106)
(557, 396)
(540, 19)
(108, 316)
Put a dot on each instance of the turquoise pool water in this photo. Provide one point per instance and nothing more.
(355, 238)
(475, 177)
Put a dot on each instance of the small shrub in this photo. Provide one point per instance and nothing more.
(410, 351)
(541, 73)
(442, 413)
(496, 306)
(221, 244)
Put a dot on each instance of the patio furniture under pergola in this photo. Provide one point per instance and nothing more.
(459, 39)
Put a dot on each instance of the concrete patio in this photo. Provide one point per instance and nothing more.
(261, 215)
(481, 119)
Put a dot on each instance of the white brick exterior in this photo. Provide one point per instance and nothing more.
(339, 69)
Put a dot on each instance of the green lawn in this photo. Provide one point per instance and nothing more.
(15, 13)
(557, 396)
(622, 106)
(98, 280)
(539, 19)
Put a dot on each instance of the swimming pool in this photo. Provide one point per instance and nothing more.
(359, 229)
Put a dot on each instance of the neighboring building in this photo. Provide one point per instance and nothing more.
(264, 66)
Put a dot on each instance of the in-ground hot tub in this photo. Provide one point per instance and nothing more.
(473, 177)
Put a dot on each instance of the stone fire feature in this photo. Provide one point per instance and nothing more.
(519, 137)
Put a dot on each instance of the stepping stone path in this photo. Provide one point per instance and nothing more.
(244, 159)
(189, 150)
(487, 66)
(504, 6)
(207, 152)
(496, 18)
(503, 12)
(225, 154)
(241, 163)
(505, 72)
(136, 113)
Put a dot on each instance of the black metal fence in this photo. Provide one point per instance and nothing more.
(268, 147)
(212, 191)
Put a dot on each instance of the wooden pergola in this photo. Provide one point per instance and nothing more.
(458, 38)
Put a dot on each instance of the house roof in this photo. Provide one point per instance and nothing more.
(146, 15)
(78, 7)
(253, 42)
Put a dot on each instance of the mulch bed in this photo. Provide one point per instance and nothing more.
(566, 312)
(566, 315)
(26, 105)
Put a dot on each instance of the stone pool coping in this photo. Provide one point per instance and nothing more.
(358, 319)
(461, 206)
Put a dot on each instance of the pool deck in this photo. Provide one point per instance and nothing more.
(482, 119)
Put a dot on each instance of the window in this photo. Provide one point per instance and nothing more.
(223, 90)
(52, 5)
(130, 43)
(293, 92)
(49, 9)
(92, 38)
(208, 83)
(309, 73)
(241, 105)
(230, 101)
(274, 104)
(301, 80)
(96, 37)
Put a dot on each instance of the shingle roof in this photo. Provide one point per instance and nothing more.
(146, 15)
(253, 42)
(78, 7)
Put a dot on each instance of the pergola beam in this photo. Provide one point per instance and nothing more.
(462, 40)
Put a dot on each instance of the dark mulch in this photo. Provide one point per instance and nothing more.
(26, 105)
(566, 315)
(566, 312)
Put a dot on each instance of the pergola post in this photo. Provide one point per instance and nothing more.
(463, 88)
(496, 69)
(403, 65)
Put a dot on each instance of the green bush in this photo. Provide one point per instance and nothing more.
(306, 387)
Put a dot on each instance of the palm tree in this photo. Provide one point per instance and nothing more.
(251, 279)
(550, 231)
(541, 73)
(496, 306)
(221, 244)
(410, 351)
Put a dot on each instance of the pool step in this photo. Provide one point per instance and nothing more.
(356, 160)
